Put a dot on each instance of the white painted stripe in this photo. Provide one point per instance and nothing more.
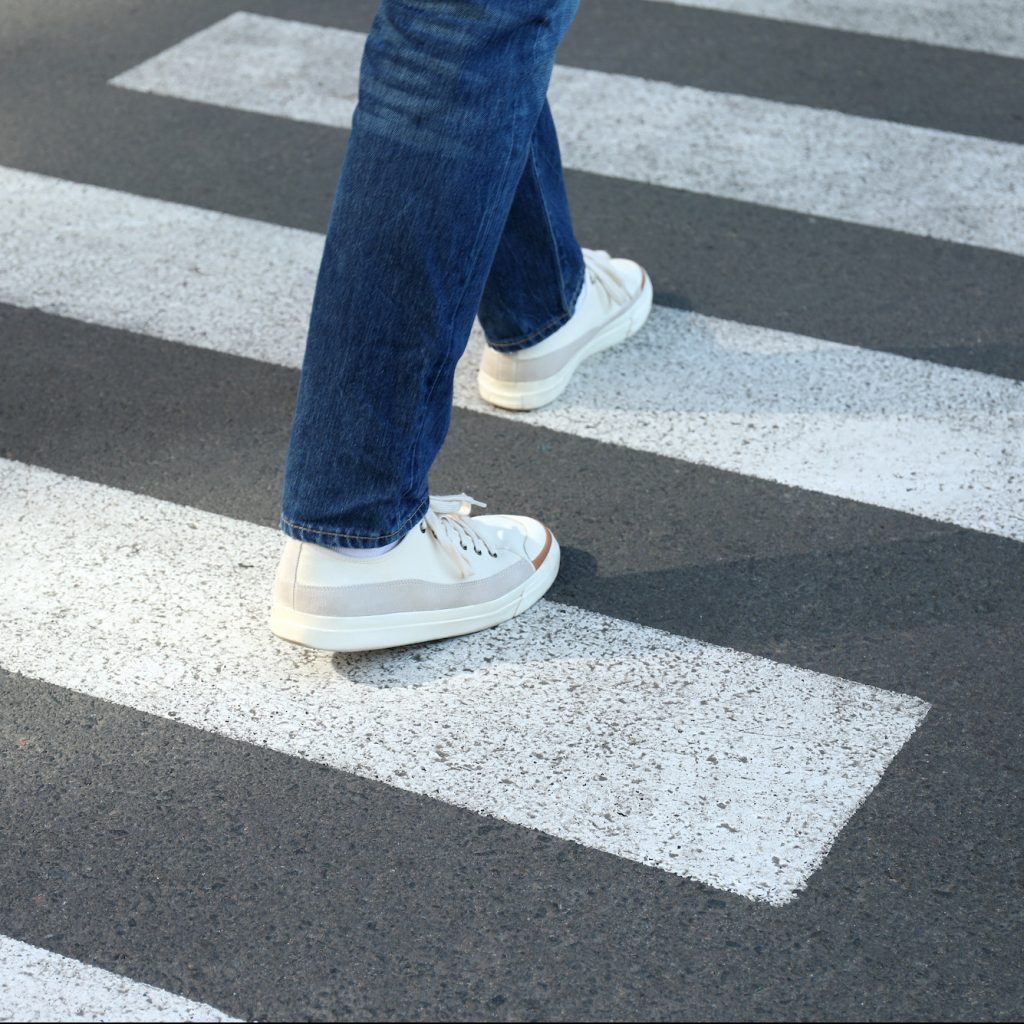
(990, 26)
(902, 177)
(931, 440)
(158, 268)
(693, 758)
(37, 985)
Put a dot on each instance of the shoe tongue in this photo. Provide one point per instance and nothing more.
(453, 504)
(607, 276)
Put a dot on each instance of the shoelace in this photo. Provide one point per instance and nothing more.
(604, 272)
(449, 523)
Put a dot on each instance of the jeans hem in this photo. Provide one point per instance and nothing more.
(545, 330)
(340, 539)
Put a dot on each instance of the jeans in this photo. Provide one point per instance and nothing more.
(451, 204)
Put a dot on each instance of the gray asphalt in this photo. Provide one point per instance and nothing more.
(277, 889)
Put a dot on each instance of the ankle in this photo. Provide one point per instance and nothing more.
(368, 552)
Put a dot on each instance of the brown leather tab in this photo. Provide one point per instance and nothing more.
(539, 560)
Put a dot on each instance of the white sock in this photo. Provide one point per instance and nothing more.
(582, 295)
(369, 552)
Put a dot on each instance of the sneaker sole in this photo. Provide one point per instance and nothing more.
(524, 397)
(376, 632)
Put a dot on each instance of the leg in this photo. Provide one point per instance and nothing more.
(450, 95)
(538, 268)
(548, 305)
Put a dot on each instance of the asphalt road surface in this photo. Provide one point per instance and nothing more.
(757, 756)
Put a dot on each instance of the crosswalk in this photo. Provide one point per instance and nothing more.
(905, 434)
(527, 725)
(691, 759)
(898, 177)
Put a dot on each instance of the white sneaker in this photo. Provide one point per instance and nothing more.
(449, 575)
(616, 304)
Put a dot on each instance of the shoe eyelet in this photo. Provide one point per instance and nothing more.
(494, 554)
(477, 551)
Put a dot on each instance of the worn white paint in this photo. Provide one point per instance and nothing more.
(37, 985)
(692, 758)
(904, 434)
(158, 268)
(821, 162)
(990, 26)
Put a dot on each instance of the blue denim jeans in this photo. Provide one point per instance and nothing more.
(451, 204)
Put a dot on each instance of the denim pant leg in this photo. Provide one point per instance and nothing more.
(538, 269)
(450, 93)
